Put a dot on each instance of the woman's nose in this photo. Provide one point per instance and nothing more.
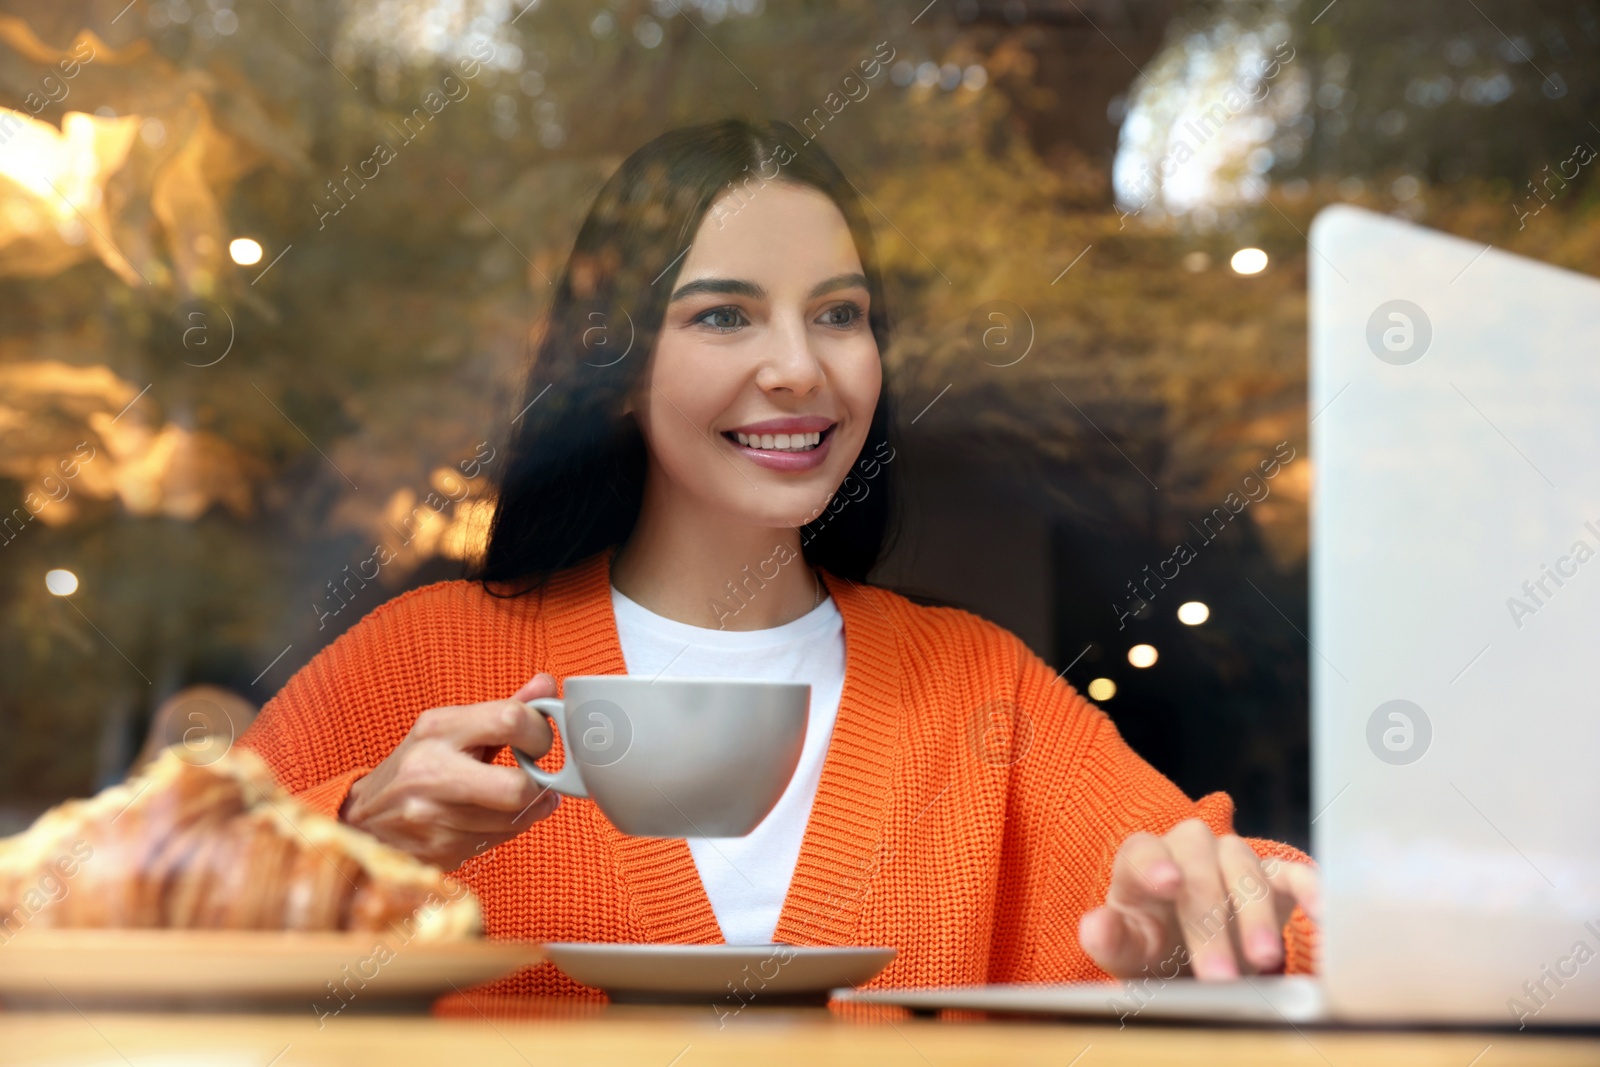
(790, 361)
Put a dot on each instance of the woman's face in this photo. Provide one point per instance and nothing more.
(766, 338)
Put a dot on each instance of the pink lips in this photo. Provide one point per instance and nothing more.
(776, 460)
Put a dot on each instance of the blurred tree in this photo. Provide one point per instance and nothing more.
(1443, 91)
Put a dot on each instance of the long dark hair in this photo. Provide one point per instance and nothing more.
(574, 474)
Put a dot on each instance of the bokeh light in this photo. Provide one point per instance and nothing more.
(244, 251)
(1102, 689)
(1142, 655)
(1193, 613)
(61, 582)
(1248, 261)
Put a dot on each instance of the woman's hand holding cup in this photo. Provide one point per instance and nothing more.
(438, 796)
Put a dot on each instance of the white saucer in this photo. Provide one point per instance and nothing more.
(733, 975)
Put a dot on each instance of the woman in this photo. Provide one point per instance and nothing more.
(699, 485)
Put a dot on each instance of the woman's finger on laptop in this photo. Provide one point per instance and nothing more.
(1134, 929)
(1123, 943)
(1143, 869)
(1205, 915)
(1260, 930)
(1296, 883)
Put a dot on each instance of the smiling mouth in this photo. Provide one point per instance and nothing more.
(780, 442)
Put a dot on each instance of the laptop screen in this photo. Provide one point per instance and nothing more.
(1455, 588)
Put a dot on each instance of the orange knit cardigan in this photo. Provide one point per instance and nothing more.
(970, 805)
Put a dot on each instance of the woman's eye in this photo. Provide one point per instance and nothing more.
(726, 318)
(846, 314)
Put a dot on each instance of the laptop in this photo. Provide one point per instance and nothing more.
(1455, 651)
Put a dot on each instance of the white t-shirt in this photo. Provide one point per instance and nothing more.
(748, 877)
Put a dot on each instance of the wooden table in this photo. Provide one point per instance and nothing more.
(548, 1033)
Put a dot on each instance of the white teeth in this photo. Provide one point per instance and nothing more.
(781, 442)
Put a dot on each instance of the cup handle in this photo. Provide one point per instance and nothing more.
(567, 781)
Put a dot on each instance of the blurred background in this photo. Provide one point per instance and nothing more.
(268, 271)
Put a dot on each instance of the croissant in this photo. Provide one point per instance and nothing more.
(217, 845)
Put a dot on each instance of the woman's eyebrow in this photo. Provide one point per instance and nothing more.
(739, 287)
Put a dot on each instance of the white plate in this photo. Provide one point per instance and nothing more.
(738, 975)
(325, 973)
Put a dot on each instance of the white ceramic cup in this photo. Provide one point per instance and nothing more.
(676, 757)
